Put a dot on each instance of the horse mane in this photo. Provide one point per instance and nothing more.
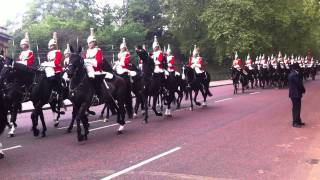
(106, 66)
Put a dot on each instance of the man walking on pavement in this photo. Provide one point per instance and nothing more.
(296, 89)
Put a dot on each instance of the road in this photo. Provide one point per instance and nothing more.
(245, 136)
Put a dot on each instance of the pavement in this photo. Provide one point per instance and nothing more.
(245, 136)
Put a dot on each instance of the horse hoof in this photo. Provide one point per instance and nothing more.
(36, 133)
(105, 120)
(80, 138)
(10, 135)
(158, 114)
(198, 104)
(119, 132)
(85, 137)
(145, 122)
(56, 124)
(1, 155)
(134, 115)
(62, 112)
(69, 130)
(43, 134)
(15, 125)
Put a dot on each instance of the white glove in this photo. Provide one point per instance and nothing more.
(157, 62)
(48, 64)
(169, 65)
(92, 62)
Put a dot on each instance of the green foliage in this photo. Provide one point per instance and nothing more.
(218, 27)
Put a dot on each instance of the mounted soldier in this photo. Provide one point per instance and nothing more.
(93, 57)
(196, 63)
(236, 62)
(26, 57)
(158, 59)
(171, 60)
(122, 65)
(249, 62)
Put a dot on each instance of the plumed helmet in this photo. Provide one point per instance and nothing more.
(195, 51)
(248, 57)
(236, 55)
(155, 43)
(169, 50)
(25, 40)
(92, 37)
(54, 40)
(67, 50)
(123, 44)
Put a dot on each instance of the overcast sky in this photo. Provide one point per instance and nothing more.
(14, 9)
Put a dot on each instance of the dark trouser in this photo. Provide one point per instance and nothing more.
(296, 109)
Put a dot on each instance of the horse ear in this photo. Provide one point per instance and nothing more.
(71, 49)
(79, 49)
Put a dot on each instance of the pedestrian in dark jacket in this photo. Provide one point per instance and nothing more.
(296, 90)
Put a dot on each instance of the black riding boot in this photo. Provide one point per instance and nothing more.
(96, 93)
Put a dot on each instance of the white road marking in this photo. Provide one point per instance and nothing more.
(111, 125)
(10, 148)
(141, 164)
(255, 93)
(223, 100)
(91, 122)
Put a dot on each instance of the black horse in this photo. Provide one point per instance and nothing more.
(82, 90)
(3, 120)
(239, 76)
(194, 85)
(150, 82)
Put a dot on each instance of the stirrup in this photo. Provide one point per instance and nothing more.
(95, 100)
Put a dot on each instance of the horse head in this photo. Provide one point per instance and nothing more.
(7, 66)
(147, 62)
(76, 62)
(189, 73)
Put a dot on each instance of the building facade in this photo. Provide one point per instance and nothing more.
(4, 39)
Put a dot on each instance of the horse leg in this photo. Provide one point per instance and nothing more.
(103, 109)
(44, 127)
(74, 113)
(13, 118)
(191, 100)
(204, 94)
(170, 99)
(154, 105)
(34, 117)
(79, 118)
(1, 151)
(121, 117)
(85, 123)
(145, 104)
(196, 92)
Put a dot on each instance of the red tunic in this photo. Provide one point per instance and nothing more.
(56, 57)
(95, 53)
(27, 56)
(171, 63)
(158, 56)
(196, 60)
(124, 58)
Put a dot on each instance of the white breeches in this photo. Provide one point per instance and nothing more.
(90, 70)
(49, 71)
(157, 69)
